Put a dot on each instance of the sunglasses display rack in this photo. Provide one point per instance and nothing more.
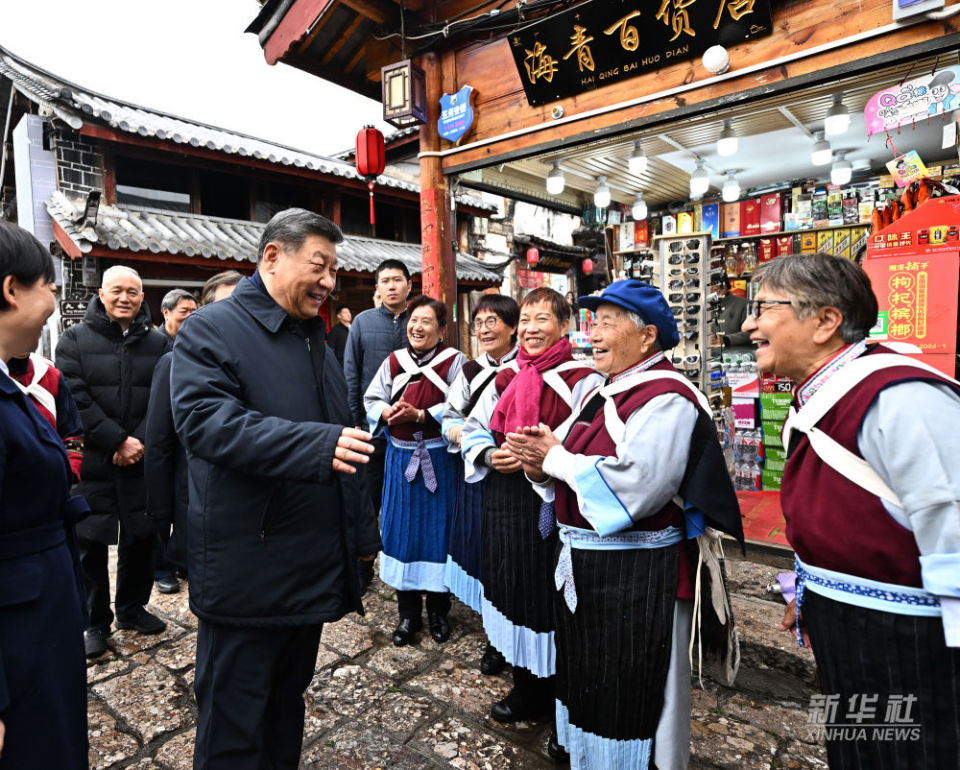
(680, 267)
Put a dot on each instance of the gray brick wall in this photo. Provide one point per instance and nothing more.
(79, 163)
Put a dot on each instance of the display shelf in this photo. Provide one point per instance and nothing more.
(780, 233)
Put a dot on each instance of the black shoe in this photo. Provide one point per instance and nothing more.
(492, 661)
(364, 574)
(439, 627)
(405, 630)
(512, 709)
(94, 642)
(143, 622)
(168, 585)
(556, 752)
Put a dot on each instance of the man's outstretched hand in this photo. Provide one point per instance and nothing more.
(352, 449)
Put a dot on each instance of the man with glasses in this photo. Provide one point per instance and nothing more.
(108, 362)
(731, 313)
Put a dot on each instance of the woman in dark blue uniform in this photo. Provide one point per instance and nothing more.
(43, 700)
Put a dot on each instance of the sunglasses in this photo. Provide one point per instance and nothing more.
(678, 246)
(693, 296)
(679, 259)
(690, 323)
(681, 309)
(674, 271)
(691, 335)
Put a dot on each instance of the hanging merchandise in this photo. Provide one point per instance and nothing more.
(907, 168)
(370, 159)
(920, 98)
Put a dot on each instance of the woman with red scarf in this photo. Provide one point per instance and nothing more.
(519, 535)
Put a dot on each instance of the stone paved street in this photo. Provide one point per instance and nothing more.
(373, 705)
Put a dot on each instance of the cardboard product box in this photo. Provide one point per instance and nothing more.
(770, 481)
(731, 220)
(865, 211)
(774, 460)
(745, 413)
(771, 213)
(684, 223)
(841, 242)
(851, 207)
(625, 239)
(773, 413)
(766, 250)
(858, 239)
(750, 217)
(738, 286)
(775, 400)
(698, 217)
(641, 236)
(668, 224)
(711, 220)
(824, 242)
(791, 222)
(818, 209)
(771, 435)
(770, 383)
(835, 207)
(783, 245)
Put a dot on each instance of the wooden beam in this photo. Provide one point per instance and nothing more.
(294, 25)
(355, 59)
(378, 11)
(342, 38)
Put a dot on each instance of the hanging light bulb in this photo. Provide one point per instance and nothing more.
(639, 208)
(821, 154)
(842, 169)
(838, 118)
(699, 180)
(601, 196)
(728, 142)
(638, 161)
(556, 180)
(731, 188)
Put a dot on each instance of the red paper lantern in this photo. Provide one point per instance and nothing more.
(587, 266)
(533, 255)
(370, 159)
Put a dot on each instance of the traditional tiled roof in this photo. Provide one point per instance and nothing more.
(76, 106)
(139, 229)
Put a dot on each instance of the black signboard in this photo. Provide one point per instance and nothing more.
(602, 41)
(69, 320)
(73, 307)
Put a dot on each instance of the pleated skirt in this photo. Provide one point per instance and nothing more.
(862, 652)
(464, 554)
(415, 522)
(517, 575)
(614, 654)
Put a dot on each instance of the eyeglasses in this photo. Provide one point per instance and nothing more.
(487, 323)
(755, 307)
(676, 246)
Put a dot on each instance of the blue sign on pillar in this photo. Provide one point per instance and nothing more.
(456, 114)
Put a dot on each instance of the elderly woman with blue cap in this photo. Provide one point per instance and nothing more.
(635, 483)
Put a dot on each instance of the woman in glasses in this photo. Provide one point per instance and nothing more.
(406, 401)
(638, 476)
(494, 322)
(519, 534)
(871, 495)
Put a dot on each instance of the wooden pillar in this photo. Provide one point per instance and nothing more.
(439, 264)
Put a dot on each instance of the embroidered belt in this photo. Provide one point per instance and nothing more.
(420, 460)
(862, 592)
(587, 540)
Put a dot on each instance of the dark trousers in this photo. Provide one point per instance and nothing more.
(410, 603)
(161, 567)
(134, 579)
(249, 685)
(374, 470)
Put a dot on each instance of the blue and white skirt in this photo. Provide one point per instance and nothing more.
(415, 522)
(463, 556)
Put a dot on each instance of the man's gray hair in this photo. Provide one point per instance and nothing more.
(291, 227)
(112, 272)
(815, 281)
(173, 298)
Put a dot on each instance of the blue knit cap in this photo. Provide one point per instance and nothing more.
(644, 300)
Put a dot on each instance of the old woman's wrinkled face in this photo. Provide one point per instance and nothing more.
(785, 343)
(617, 342)
(539, 327)
(423, 329)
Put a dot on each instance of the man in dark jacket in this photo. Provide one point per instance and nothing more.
(108, 362)
(276, 518)
(337, 338)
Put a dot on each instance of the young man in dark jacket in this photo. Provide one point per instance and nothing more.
(108, 362)
(276, 518)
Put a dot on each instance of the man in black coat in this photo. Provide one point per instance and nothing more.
(108, 363)
(276, 518)
(337, 338)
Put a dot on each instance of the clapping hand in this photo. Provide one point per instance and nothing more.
(401, 412)
(530, 445)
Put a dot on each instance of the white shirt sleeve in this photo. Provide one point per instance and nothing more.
(377, 397)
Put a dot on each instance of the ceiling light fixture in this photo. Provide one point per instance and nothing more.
(556, 180)
(699, 179)
(842, 169)
(838, 118)
(731, 188)
(601, 196)
(716, 59)
(639, 207)
(638, 161)
(727, 143)
(821, 154)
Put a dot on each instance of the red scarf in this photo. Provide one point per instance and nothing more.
(519, 404)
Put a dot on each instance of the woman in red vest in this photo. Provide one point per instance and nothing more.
(871, 495)
(638, 477)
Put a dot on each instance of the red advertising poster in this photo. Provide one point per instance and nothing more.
(763, 520)
(531, 279)
(914, 266)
